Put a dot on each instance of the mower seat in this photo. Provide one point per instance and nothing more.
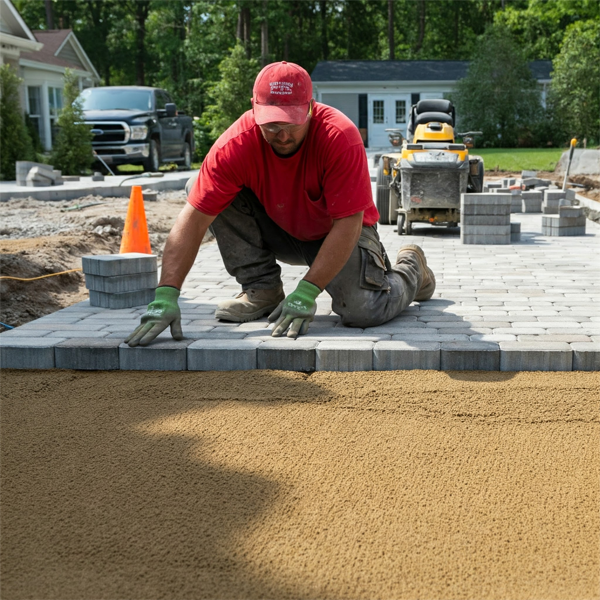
(428, 111)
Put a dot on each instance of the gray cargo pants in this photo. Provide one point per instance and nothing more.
(368, 291)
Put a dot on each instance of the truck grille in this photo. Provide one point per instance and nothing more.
(109, 132)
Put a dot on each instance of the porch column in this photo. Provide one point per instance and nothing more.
(46, 118)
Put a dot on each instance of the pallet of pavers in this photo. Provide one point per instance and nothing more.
(485, 218)
(120, 280)
(570, 220)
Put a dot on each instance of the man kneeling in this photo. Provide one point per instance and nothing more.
(288, 181)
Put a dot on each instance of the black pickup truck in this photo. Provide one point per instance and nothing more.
(137, 125)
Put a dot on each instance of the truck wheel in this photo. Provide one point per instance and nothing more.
(187, 156)
(152, 163)
(383, 194)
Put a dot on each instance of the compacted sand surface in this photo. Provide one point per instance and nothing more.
(398, 485)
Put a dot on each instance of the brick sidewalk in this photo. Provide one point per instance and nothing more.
(532, 305)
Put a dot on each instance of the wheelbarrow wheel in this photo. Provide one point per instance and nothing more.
(400, 223)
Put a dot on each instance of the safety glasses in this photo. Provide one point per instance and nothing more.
(290, 128)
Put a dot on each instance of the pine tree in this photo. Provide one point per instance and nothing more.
(574, 91)
(15, 141)
(72, 151)
(499, 96)
(231, 95)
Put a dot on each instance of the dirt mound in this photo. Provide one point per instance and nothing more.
(38, 238)
(23, 301)
(590, 183)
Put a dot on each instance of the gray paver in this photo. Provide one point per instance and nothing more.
(487, 209)
(124, 300)
(84, 325)
(19, 332)
(433, 336)
(406, 355)
(88, 354)
(487, 239)
(66, 333)
(122, 283)
(495, 199)
(504, 229)
(548, 337)
(586, 356)
(223, 355)
(161, 355)
(468, 220)
(28, 353)
(535, 356)
(470, 356)
(288, 354)
(342, 355)
(111, 265)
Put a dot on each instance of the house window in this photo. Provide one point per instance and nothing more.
(378, 111)
(55, 102)
(34, 96)
(400, 111)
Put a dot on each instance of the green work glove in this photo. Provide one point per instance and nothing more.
(161, 313)
(296, 311)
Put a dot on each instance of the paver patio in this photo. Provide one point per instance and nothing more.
(532, 305)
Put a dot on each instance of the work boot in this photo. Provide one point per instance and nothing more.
(428, 279)
(250, 305)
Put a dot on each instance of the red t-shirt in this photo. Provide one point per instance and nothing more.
(327, 178)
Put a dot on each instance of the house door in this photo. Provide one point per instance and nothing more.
(386, 111)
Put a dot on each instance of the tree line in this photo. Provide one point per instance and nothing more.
(207, 52)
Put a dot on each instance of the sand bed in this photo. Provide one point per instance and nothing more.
(402, 485)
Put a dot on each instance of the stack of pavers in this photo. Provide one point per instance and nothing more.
(485, 218)
(511, 186)
(120, 280)
(531, 201)
(552, 198)
(32, 174)
(570, 220)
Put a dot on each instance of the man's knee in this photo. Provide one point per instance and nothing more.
(190, 183)
(359, 311)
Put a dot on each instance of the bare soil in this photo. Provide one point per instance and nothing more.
(38, 238)
(265, 484)
(590, 183)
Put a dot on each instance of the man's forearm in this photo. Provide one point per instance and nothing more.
(182, 245)
(335, 251)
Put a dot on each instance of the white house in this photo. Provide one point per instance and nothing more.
(40, 59)
(377, 94)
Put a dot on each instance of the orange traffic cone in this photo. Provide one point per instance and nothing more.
(135, 233)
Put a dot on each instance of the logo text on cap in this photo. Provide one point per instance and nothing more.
(282, 88)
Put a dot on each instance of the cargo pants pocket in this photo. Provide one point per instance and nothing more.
(373, 261)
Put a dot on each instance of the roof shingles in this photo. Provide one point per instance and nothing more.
(52, 40)
(404, 70)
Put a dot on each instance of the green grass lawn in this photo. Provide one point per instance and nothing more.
(501, 159)
(517, 159)
(125, 169)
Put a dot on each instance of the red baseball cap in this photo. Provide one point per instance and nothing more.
(282, 93)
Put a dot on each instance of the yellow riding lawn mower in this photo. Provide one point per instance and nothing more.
(423, 180)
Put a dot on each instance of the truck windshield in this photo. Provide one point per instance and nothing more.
(116, 99)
